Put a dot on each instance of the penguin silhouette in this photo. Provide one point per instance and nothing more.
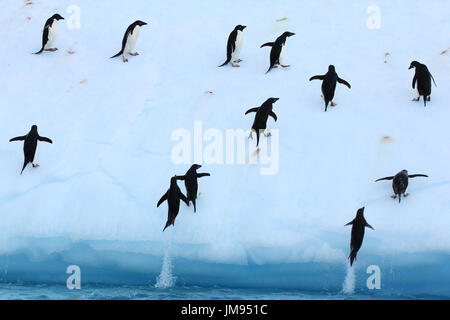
(173, 196)
(400, 183)
(234, 46)
(191, 184)
(49, 33)
(29, 146)
(423, 78)
(277, 51)
(262, 114)
(129, 39)
(359, 225)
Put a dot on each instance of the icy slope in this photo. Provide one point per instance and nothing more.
(112, 125)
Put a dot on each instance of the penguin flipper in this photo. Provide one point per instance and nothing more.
(163, 198)
(417, 175)
(342, 81)
(20, 138)
(268, 44)
(385, 178)
(45, 139)
(183, 197)
(251, 110)
(318, 77)
(199, 175)
(433, 80)
(369, 226)
(273, 115)
(351, 222)
(414, 82)
(181, 177)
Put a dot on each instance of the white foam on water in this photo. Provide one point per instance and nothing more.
(166, 279)
(348, 287)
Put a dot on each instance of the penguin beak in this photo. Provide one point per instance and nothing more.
(276, 99)
(243, 27)
(410, 67)
(144, 23)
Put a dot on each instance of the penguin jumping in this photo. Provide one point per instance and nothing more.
(49, 33)
(262, 114)
(359, 225)
(234, 46)
(129, 39)
(277, 51)
(190, 181)
(400, 183)
(173, 196)
(423, 78)
(329, 85)
(30, 145)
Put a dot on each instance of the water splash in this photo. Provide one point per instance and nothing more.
(348, 287)
(166, 279)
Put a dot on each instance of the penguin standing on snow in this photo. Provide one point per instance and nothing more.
(423, 78)
(329, 85)
(190, 181)
(277, 51)
(49, 33)
(129, 40)
(359, 225)
(400, 183)
(173, 196)
(262, 114)
(30, 145)
(234, 46)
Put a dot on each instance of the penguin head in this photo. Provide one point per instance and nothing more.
(414, 64)
(331, 68)
(404, 171)
(173, 180)
(240, 27)
(288, 34)
(272, 100)
(57, 16)
(196, 166)
(34, 127)
(360, 212)
(140, 23)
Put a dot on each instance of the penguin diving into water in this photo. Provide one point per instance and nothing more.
(262, 114)
(234, 46)
(359, 225)
(400, 183)
(329, 85)
(129, 39)
(173, 196)
(49, 33)
(277, 51)
(423, 78)
(30, 145)
(190, 181)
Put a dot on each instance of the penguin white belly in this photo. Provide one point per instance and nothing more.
(132, 38)
(281, 54)
(238, 46)
(52, 33)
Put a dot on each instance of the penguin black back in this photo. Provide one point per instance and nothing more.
(359, 225)
(30, 144)
(329, 84)
(173, 196)
(191, 184)
(423, 78)
(262, 114)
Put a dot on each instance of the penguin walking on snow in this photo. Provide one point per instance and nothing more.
(400, 183)
(277, 51)
(30, 145)
(423, 78)
(262, 114)
(173, 196)
(329, 85)
(129, 39)
(359, 225)
(234, 46)
(190, 182)
(49, 33)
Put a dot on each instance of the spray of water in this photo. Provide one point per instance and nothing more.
(348, 287)
(166, 279)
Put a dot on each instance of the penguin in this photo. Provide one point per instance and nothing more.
(30, 145)
(234, 46)
(423, 78)
(400, 183)
(129, 39)
(329, 85)
(262, 114)
(190, 182)
(173, 196)
(359, 225)
(49, 33)
(277, 51)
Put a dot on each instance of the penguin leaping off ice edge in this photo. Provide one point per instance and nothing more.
(129, 39)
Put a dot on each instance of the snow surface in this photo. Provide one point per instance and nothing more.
(112, 123)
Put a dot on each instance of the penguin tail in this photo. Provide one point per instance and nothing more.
(195, 209)
(118, 54)
(24, 165)
(257, 137)
(424, 100)
(326, 105)
(352, 257)
(168, 223)
(270, 68)
(42, 49)
(399, 197)
(226, 62)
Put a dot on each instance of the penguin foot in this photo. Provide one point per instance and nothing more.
(406, 194)
(275, 66)
(134, 54)
(35, 165)
(285, 65)
(51, 49)
(124, 59)
(429, 98)
(333, 104)
(235, 65)
(268, 134)
(237, 61)
(416, 99)
(394, 196)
